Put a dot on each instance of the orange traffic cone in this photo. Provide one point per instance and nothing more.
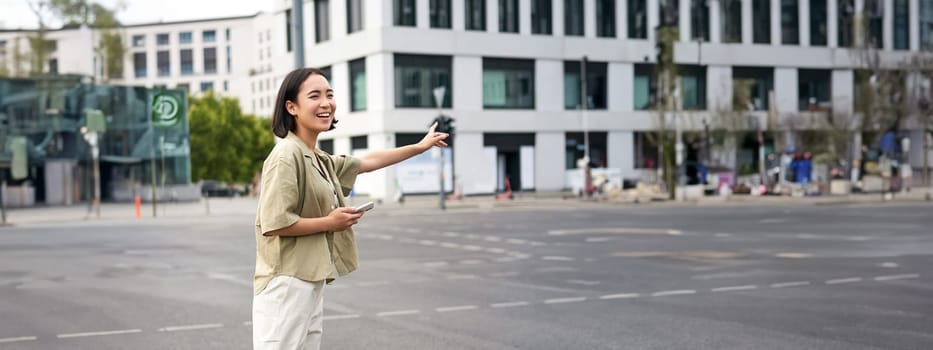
(139, 208)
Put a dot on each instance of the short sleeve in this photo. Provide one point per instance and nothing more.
(346, 168)
(278, 199)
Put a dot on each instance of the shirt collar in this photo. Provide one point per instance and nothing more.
(304, 147)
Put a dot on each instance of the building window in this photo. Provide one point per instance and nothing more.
(669, 13)
(229, 60)
(209, 36)
(139, 41)
(321, 21)
(439, 11)
(416, 76)
(646, 150)
(874, 11)
(404, 13)
(573, 17)
(644, 87)
(731, 14)
(359, 142)
(183, 87)
(358, 85)
(541, 16)
(790, 27)
(139, 64)
(761, 21)
(207, 85)
(508, 16)
(184, 38)
(751, 86)
(53, 66)
(818, 28)
(288, 31)
(475, 13)
(210, 60)
(576, 144)
(926, 25)
(606, 18)
(813, 89)
(693, 87)
(227, 34)
(162, 63)
(187, 62)
(699, 20)
(162, 39)
(637, 19)
(846, 18)
(508, 83)
(226, 86)
(354, 16)
(901, 26)
(327, 146)
(595, 85)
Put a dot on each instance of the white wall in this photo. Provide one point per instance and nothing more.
(785, 90)
(468, 155)
(843, 81)
(549, 161)
(621, 152)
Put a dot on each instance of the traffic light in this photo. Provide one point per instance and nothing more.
(445, 124)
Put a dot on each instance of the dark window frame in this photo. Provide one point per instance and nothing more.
(439, 68)
(512, 65)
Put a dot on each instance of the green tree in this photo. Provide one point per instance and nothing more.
(226, 145)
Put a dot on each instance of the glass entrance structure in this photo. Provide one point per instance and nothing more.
(142, 133)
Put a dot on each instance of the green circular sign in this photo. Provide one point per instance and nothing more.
(166, 110)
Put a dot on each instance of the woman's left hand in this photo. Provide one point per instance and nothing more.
(433, 138)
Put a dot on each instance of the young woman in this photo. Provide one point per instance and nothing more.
(304, 235)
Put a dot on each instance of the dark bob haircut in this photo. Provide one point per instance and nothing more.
(282, 121)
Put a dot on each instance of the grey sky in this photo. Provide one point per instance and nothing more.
(16, 13)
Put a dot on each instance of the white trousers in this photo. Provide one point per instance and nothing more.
(288, 314)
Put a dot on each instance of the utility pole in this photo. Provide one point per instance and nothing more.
(298, 32)
(584, 106)
(439, 101)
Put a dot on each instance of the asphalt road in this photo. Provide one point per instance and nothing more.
(740, 277)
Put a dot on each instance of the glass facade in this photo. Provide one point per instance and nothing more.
(846, 20)
(187, 62)
(210, 60)
(926, 25)
(139, 64)
(699, 20)
(416, 76)
(354, 16)
(508, 83)
(637, 19)
(644, 83)
(901, 25)
(606, 18)
(440, 13)
(731, 16)
(137, 119)
(790, 24)
(321, 20)
(761, 21)
(814, 89)
(573, 17)
(693, 87)
(508, 16)
(595, 85)
(760, 81)
(404, 13)
(541, 16)
(358, 85)
(475, 13)
(818, 27)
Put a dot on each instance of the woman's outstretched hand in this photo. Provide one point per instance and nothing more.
(433, 138)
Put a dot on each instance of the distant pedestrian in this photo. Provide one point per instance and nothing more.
(804, 168)
(304, 235)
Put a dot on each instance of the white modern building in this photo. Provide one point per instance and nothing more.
(511, 69)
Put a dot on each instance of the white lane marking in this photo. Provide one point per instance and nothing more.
(793, 255)
(413, 230)
(896, 277)
(340, 317)
(94, 334)
(191, 327)
(734, 288)
(495, 250)
(844, 280)
(371, 284)
(722, 235)
(620, 296)
(598, 239)
(451, 234)
(407, 240)
(889, 264)
(617, 230)
(472, 248)
(461, 277)
(16, 339)
(505, 259)
(583, 282)
(247, 323)
(435, 263)
(504, 274)
(229, 278)
(790, 284)
(557, 258)
(538, 244)
(471, 262)
(510, 304)
(516, 241)
(860, 238)
(673, 292)
(493, 239)
(427, 242)
(457, 308)
(675, 232)
(450, 245)
(398, 313)
(383, 237)
(471, 236)
(564, 300)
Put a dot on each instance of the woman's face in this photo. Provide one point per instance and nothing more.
(314, 105)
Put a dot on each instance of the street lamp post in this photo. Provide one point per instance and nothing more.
(439, 101)
(584, 105)
(91, 138)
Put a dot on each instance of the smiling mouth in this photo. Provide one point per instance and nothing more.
(323, 115)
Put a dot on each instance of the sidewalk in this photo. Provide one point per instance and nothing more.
(917, 194)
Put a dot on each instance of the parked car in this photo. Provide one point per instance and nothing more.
(211, 188)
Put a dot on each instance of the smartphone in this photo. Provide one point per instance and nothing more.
(364, 207)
